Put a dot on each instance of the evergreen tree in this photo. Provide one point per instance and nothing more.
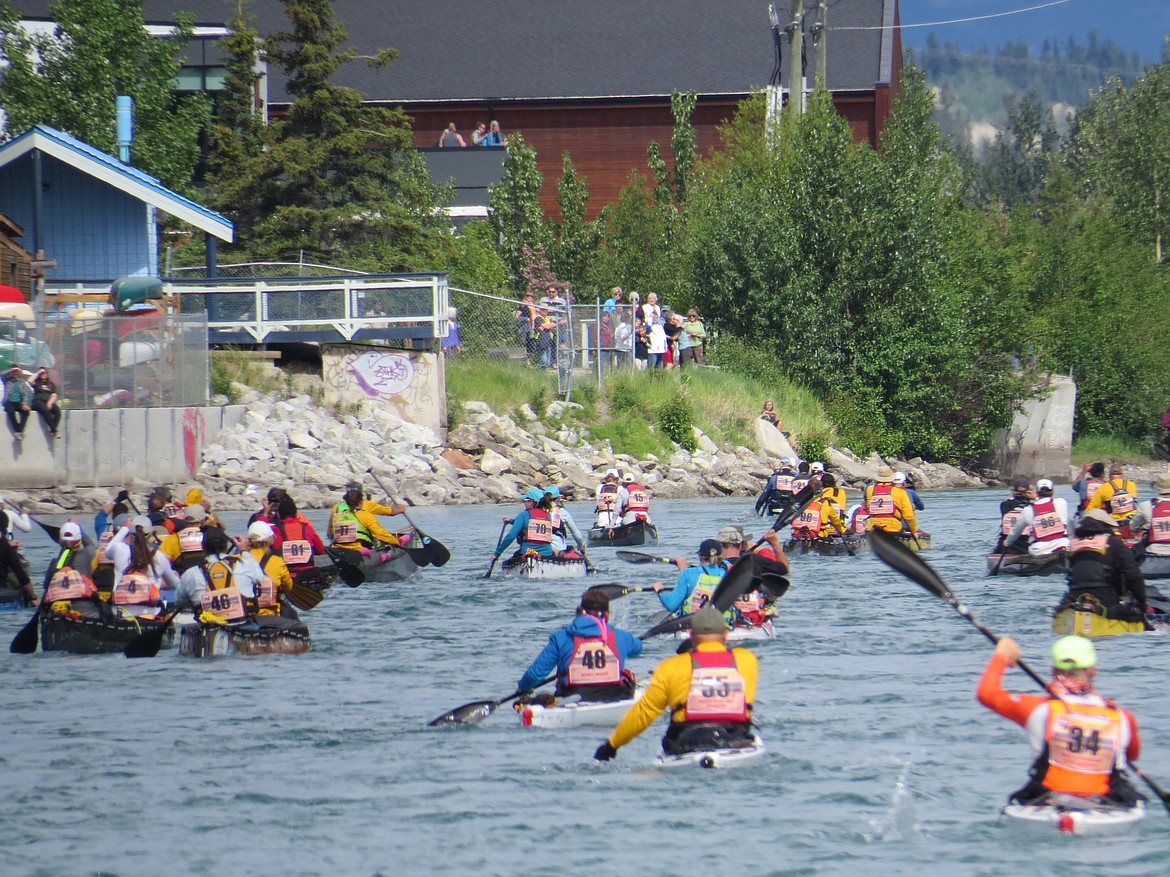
(100, 49)
(338, 180)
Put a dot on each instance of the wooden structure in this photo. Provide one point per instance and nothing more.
(15, 260)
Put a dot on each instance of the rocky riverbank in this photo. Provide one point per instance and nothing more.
(487, 458)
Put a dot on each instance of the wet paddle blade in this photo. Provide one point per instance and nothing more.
(146, 645)
(897, 556)
(52, 532)
(422, 555)
(735, 583)
(1163, 796)
(305, 597)
(670, 625)
(350, 573)
(468, 714)
(774, 584)
(441, 554)
(638, 557)
(25, 641)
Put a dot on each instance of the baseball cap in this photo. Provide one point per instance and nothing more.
(709, 547)
(71, 531)
(533, 494)
(1044, 484)
(195, 513)
(261, 530)
(162, 492)
(732, 534)
(1073, 653)
(553, 491)
(123, 520)
(708, 620)
(612, 473)
(899, 477)
(818, 466)
(142, 522)
(628, 478)
(786, 461)
(1021, 483)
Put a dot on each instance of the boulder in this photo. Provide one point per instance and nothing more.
(458, 459)
(494, 464)
(771, 441)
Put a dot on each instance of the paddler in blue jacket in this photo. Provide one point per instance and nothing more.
(532, 528)
(695, 584)
(588, 655)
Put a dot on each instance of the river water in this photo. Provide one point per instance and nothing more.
(881, 762)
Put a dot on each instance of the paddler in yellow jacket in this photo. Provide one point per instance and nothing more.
(888, 505)
(1118, 496)
(352, 523)
(259, 545)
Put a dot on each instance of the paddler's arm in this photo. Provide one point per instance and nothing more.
(378, 509)
(1024, 520)
(673, 599)
(1099, 498)
(1134, 750)
(546, 662)
(903, 504)
(519, 525)
(571, 526)
(990, 693)
(669, 684)
(773, 540)
(170, 547)
(380, 533)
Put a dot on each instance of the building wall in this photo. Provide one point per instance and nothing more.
(93, 231)
(112, 448)
(410, 383)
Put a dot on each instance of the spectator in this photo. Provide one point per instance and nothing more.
(695, 334)
(672, 326)
(478, 134)
(769, 414)
(641, 345)
(493, 137)
(623, 340)
(451, 138)
(636, 313)
(45, 401)
(651, 310)
(451, 343)
(546, 327)
(605, 338)
(526, 325)
(615, 299)
(18, 396)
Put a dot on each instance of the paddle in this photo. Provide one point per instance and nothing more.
(25, 641)
(638, 557)
(475, 712)
(52, 532)
(434, 551)
(1002, 549)
(350, 572)
(613, 590)
(492, 565)
(790, 511)
(913, 567)
(304, 597)
(147, 644)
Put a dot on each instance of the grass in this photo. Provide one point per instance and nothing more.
(1094, 448)
(504, 386)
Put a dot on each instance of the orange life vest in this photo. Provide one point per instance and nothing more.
(808, 522)
(539, 530)
(135, 588)
(69, 584)
(1083, 747)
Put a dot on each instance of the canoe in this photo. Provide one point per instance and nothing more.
(267, 635)
(535, 567)
(572, 713)
(13, 598)
(1067, 814)
(752, 750)
(740, 634)
(625, 536)
(384, 563)
(1027, 565)
(827, 547)
(1155, 567)
(93, 634)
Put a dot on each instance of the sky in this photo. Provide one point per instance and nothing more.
(1136, 25)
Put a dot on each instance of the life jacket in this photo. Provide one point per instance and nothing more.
(1159, 532)
(347, 529)
(1046, 523)
(606, 497)
(783, 483)
(1123, 503)
(539, 530)
(705, 586)
(100, 558)
(190, 548)
(222, 597)
(295, 549)
(134, 588)
(857, 524)
(835, 495)
(69, 584)
(639, 500)
(1086, 562)
(880, 501)
(1092, 485)
(1084, 745)
(717, 692)
(1008, 522)
(554, 521)
(800, 482)
(808, 522)
(595, 659)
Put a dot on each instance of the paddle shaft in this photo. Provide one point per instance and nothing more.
(433, 547)
(495, 557)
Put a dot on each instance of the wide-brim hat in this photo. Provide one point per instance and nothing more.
(885, 473)
(1162, 483)
(1101, 516)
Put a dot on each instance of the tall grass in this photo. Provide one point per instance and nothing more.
(503, 385)
(1102, 448)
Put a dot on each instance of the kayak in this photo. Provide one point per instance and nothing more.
(752, 750)
(572, 713)
(827, 547)
(1026, 564)
(1081, 620)
(533, 566)
(266, 635)
(92, 634)
(382, 563)
(12, 598)
(740, 633)
(1155, 566)
(922, 543)
(1070, 815)
(641, 532)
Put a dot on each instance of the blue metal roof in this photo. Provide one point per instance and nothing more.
(115, 173)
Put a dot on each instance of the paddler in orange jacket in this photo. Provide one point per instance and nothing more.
(1082, 742)
(888, 505)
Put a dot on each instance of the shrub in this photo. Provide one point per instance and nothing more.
(676, 421)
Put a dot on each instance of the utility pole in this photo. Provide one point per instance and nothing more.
(818, 35)
(795, 65)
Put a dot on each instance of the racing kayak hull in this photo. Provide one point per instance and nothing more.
(625, 536)
(1071, 816)
(740, 634)
(264, 636)
(530, 567)
(1091, 624)
(1155, 567)
(1027, 565)
(827, 547)
(717, 758)
(573, 714)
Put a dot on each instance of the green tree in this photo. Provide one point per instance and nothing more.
(1015, 167)
(514, 203)
(237, 132)
(577, 239)
(338, 180)
(100, 49)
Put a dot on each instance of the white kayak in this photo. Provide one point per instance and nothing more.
(572, 713)
(535, 567)
(739, 634)
(717, 758)
(1070, 815)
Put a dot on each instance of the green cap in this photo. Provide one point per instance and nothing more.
(1073, 653)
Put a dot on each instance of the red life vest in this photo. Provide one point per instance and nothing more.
(539, 530)
(1160, 522)
(1083, 746)
(639, 500)
(295, 549)
(857, 525)
(881, 501)
(606, 497)
(595, 659)
(1046, 523)
(717, 692)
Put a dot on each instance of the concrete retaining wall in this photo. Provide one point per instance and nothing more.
(110, 448)
(410, 383)
(1039, 442)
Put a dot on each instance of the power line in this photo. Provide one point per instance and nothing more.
(957, 20)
